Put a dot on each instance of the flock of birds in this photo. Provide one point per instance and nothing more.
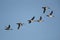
(32, 19)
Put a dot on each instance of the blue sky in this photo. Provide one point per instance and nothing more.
(13, 11)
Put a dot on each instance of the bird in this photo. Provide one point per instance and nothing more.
(40, 19)
(31, 20)
(19, 25)
(45, 8)
(50, 15)
(8, 28)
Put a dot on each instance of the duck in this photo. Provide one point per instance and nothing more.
(31, 20)
(8, 28)
(45, 8)
(50, 14)
(40, 19)
(19, 25)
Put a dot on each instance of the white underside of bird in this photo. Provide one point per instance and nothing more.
(50, 16)
(39, 20)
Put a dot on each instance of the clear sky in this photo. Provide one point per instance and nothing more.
(13, 11)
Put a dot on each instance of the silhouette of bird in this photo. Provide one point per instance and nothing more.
(8, 28)
(45, 8)
(40, 19)
(31, 20)
(50, 15)
(19, 24)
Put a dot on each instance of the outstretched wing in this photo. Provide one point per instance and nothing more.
(44, 9)
(51, 13)
(33, 18)
(18, 25)
(7, 27)
(40, 17)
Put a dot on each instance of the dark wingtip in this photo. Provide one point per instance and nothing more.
(43, 12)
(29, 21)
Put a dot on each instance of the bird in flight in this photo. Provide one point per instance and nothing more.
(40, 19)
(31, 20)
(45, 8)
(8, 28)
(19, 25)
(50, 15)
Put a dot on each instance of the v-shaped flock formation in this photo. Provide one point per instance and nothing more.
(32, 19)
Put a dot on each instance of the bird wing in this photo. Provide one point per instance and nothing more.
(18, 24)
(51, 13)
(44, 9)
(8, 27)
(33, 18)
(18, 27)
(40, 17)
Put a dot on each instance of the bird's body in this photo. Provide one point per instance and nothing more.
(31, 20)
(44, 9)
(50, 16)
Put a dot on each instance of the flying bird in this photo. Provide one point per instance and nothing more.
(19, 25)
(50, 15)
(8, 28)
(45, 8)
(40, 19)
(31, 20)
